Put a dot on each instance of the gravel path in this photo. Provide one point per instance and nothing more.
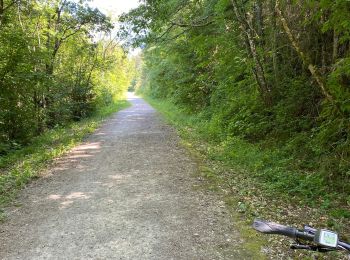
(126, 193)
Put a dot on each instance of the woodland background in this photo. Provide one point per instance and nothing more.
(266, 82)
(262, 87)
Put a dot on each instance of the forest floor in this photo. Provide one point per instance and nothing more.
(130, 191)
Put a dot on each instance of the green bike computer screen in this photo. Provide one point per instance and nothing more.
(326, 238)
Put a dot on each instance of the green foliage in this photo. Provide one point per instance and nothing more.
(271, 169)
(208, 58)
(53, 69)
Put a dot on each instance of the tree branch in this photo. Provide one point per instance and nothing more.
(4, 8)
(258, 70)
(195, 24)
(10, 5)
(63, 38)
(166, 32)
(183, 25)
(176, 36)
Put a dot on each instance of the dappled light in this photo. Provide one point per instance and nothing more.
(71, 196)
(77, 195)
(85, 150)
(159, 133)
(66, 204)
(77, 155)
(119, 177)
(65, 201)
(55, 197)
(88, 146)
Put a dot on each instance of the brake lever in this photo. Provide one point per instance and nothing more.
(309, 229)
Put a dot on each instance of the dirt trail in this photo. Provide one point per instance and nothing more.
(126, 193)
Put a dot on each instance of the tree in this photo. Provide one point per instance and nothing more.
(67, 19)
(50, 59)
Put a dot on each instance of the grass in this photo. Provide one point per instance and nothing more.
(259, 183)
(21, 166)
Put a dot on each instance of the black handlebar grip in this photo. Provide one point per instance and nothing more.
(274, 228)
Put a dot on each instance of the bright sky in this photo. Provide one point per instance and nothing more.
(115, 7)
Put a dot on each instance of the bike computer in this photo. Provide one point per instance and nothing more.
(326, 238)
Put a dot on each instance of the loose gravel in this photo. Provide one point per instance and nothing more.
(127, 192)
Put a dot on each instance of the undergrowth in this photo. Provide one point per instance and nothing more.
(20, 166)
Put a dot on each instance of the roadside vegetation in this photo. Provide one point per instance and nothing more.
(262, 88)
(247, 193)
(61, 73)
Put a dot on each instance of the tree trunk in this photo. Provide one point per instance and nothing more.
(258, 70)
(274, 40)
(56, 41)
(324, 62)
(323, 50)
(2, 9)
(48, 45)
(259, 20)
(335, 46)
(312, 68)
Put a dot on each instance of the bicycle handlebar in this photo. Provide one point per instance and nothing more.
(344, 245)
(274, 228)
(278, 229)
